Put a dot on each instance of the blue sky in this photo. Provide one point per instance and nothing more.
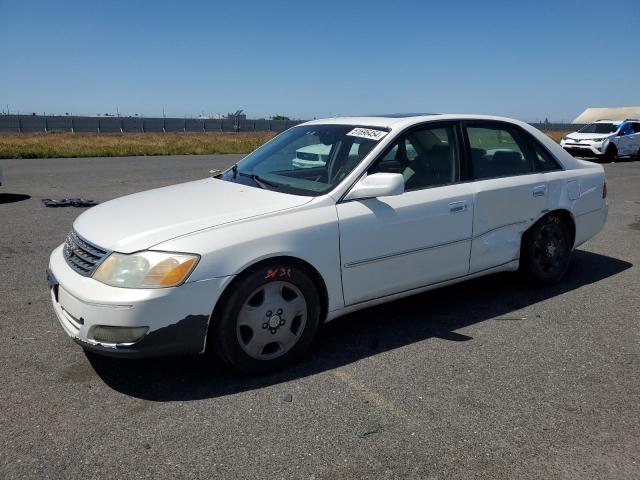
(526, 59)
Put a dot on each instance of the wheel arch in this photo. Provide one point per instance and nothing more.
(313, 273)
(565, 215)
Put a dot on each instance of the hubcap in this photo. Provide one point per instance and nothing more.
(271, 320)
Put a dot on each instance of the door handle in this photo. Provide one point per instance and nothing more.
(457, 207)
(540, 191)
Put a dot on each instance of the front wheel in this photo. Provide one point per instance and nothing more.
(611, 154)
(268, 320)
(546, 250)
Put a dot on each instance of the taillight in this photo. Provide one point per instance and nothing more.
(604, 190)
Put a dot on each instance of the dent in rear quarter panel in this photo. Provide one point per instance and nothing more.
(580, 192)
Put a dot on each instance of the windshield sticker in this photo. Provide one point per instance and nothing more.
(368, 133)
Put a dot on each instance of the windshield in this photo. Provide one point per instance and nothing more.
(599, 128)
(306, 160)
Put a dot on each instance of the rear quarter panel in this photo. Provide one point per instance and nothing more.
(579, 191)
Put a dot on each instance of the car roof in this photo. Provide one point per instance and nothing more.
(395, 121)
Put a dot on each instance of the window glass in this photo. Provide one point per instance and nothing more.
(636, 127)
(306, 160)
(599, 127)
(626, 129)
(497, 152)
(544, 162)
(426, 157)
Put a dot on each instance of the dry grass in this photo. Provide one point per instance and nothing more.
(57, 145)
(557, 135)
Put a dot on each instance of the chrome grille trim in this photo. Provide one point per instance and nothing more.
(82, 255)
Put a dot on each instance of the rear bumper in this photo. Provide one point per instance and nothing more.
(177, 318)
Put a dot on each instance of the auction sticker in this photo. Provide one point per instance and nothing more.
(369, 133)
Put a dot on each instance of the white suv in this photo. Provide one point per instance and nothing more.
(608, 139)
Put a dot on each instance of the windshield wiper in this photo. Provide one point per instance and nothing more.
(259, 180)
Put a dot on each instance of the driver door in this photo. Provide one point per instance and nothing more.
(398, 243)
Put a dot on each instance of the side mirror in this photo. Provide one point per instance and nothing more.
(377, 185)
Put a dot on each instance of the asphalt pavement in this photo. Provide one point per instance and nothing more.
(486, 379)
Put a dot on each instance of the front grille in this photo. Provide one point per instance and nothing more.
(81, 255)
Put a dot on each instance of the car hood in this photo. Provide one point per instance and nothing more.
(142, 220)
(585, 136)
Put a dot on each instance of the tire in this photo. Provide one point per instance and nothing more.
(611, 154)
(268, 320)
(546, 251)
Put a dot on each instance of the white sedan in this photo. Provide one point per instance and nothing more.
(251, 262)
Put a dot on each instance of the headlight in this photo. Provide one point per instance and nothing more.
(146, 269)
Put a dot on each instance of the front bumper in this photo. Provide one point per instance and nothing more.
(178, 317)
(584, 149)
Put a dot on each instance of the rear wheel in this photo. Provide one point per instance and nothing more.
(546, 250)
(268, 320)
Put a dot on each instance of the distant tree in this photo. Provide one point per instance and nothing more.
(280, 117)
(546, 121)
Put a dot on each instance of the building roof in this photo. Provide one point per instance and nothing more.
(591, 115)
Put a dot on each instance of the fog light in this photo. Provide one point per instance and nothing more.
(108, 334)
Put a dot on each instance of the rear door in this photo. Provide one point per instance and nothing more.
(509, 192)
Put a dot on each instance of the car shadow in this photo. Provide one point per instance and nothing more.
(435, 314)
(13, 197)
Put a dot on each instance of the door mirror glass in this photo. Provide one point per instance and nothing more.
(377, 185)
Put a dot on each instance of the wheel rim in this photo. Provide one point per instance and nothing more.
(550, 249)
(271, 320)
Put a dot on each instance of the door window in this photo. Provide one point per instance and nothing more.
(626, 129)
(426, 157)
(497, 151)
(543, 161)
